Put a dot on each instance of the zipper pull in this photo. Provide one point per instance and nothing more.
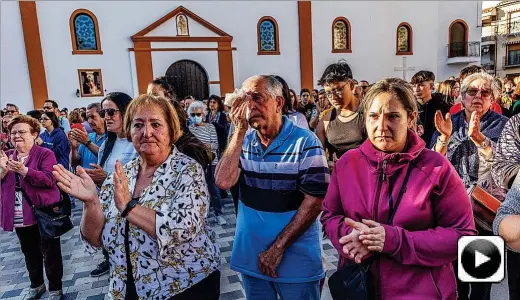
(383, 170)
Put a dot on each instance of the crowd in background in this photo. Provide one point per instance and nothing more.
(382, 169)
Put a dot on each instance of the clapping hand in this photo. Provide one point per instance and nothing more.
(97, 174)
(79, 135)
(16, 166)
(121, 188)
(443, 125)
(3, 161)
(80, 186)
(474, 129)
(352, 245)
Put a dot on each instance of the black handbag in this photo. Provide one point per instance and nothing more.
(53, 220)
(352, 282)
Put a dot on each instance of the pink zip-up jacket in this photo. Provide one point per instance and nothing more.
(434, 212)
(39, 184)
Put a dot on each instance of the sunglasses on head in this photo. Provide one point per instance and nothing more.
(483, 93)
(196, 114)
(111, 112)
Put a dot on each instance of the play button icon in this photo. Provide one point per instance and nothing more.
(481, 259)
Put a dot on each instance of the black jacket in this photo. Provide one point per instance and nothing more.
(427, 115)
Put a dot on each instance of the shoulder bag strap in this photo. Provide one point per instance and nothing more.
(400, 196)
(24, 194)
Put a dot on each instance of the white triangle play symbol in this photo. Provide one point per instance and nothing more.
(480, 259)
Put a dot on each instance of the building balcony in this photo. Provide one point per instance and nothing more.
(488, 39)
(463, 53)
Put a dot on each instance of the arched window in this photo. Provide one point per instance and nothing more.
(341, 36)
(404, 39)
(268, 39)
(84, 32)
(458, 39)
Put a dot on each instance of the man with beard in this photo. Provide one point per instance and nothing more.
(283, 176)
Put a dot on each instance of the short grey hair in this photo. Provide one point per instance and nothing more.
(272, 85)
(197, 104)
(476, 76)
(95, 105)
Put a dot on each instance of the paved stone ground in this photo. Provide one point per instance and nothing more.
(14, 280)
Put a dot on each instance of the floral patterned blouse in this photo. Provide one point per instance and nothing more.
(185, 251)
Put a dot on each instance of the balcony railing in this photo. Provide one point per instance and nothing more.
(463, 49)
(490, 38)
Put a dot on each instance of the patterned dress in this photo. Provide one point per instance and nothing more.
(185, 251)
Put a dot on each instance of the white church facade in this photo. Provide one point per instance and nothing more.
(75, 52)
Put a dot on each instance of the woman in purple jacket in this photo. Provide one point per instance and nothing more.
(411, 243)
(29, 167)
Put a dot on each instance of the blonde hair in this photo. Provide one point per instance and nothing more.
(148, 102)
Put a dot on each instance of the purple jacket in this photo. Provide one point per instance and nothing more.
(434, 212)
(39, 184)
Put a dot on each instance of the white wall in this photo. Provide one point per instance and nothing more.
(449, 11)
(373, 41)
(15, 86)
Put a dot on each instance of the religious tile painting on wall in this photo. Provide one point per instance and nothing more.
(403, 44)
(267, 36)
(340, 35)
(85, 31)
(182, 25)
(90, 82)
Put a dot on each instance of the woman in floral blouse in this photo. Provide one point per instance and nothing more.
(151, 214)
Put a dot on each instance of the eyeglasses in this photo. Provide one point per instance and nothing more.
(338, 92)
(111, 112)
(196, 114)
(474, 92)
(44, 119)
(20, 132)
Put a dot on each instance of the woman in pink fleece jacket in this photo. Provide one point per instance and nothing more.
(410, 259)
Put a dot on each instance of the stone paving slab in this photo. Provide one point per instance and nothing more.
(14, 280)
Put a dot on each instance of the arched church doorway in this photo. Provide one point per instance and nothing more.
(188, 78)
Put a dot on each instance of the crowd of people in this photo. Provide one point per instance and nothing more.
(383, 170)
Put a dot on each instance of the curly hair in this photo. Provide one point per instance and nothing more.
(21, 119)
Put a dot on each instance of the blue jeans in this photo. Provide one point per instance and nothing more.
(260, 289)
(214, 191)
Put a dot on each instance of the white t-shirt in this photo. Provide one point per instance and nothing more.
(123, 150)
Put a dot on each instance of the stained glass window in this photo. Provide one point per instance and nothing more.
(403, 39)
(340, 35)
(85, 31)
(267, 36)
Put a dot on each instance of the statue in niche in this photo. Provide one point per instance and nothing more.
(182, 25)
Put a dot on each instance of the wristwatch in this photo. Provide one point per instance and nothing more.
(88, 143)
(129, 207)
(484, 144)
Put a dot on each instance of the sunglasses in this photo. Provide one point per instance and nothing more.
(47, 107)
(196, 114)
(483, 93)
(11, 111)
(111, 112)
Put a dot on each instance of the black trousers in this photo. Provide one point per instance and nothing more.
(479, 291)
(207, 289)
(513, 274)
(40, 253)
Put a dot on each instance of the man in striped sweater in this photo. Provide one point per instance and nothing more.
(283, 176)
